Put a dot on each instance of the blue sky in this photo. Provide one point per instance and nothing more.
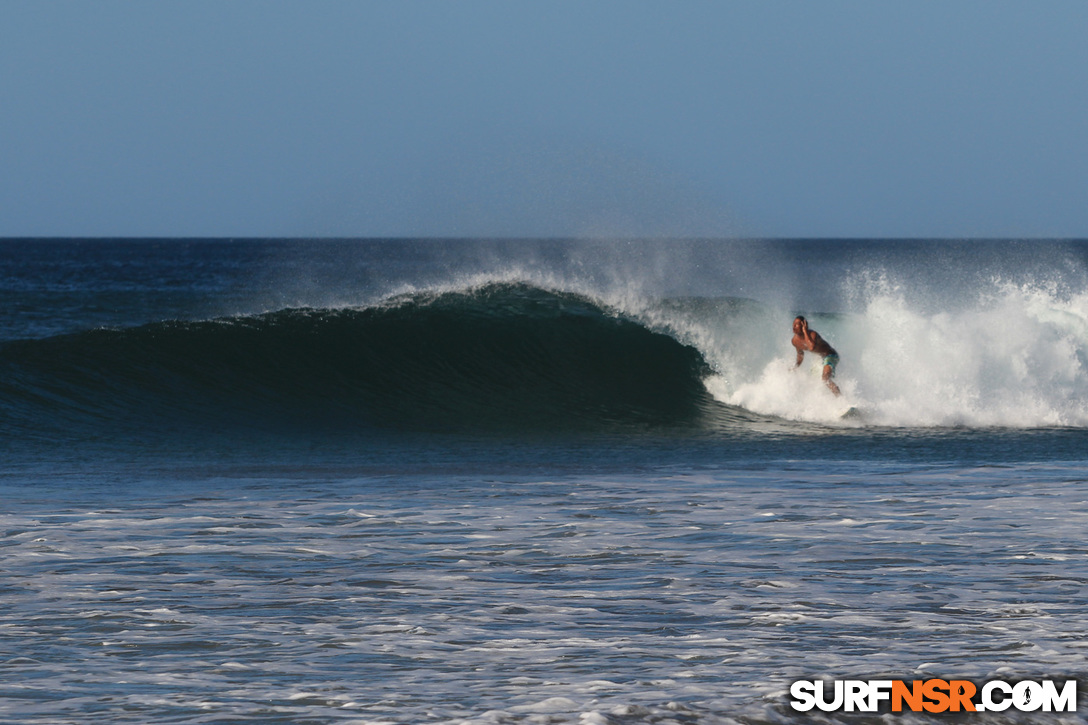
(628, 118)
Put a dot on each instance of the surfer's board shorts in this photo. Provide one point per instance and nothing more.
(831, 360)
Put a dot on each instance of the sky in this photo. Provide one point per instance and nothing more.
(596, 118)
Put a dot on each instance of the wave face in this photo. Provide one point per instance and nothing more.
(498, 357)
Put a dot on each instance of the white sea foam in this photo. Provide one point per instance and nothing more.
(1016, 357)
(697, 602)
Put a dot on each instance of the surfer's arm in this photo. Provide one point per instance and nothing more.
(809, 336)
(800, 357)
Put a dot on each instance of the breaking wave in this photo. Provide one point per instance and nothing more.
(504, 356)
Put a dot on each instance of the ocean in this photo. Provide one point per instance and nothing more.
(535, 481)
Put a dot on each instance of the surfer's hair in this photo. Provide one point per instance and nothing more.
(801, 318)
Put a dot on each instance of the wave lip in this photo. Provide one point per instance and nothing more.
(496, 357)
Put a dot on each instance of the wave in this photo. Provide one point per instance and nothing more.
(501, 356)
(498, 356)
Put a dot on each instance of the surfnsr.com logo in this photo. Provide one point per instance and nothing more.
(933, 696)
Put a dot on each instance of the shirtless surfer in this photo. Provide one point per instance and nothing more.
(806, 339)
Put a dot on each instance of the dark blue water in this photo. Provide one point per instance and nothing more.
(528, 481)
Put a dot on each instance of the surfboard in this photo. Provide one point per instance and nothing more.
(852, 413)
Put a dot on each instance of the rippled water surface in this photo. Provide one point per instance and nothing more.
(677, 595)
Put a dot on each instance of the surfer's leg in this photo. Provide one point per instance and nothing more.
(828, 372)
(830, 361)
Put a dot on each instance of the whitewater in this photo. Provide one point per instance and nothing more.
(529, 481)
(1016, 357)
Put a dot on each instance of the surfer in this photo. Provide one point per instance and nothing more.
(806, 339)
